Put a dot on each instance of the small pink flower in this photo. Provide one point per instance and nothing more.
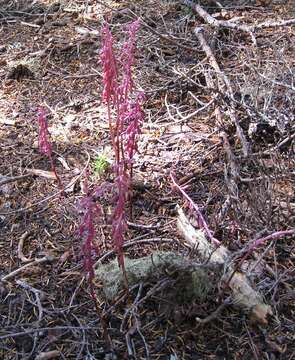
(135, 118)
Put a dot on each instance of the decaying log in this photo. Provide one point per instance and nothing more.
(185, 280)
(243, 295)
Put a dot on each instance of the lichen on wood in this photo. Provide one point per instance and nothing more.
(189, 282)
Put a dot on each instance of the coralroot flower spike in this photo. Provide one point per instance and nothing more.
(45, 146)
(125, 118)
(44, 143)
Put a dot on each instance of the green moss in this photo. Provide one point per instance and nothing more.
(189, 283)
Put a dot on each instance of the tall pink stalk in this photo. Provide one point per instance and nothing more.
(110, 80)
(200, 218)
(127, 61)
(45, 146)
(91, 213)
(125, 117)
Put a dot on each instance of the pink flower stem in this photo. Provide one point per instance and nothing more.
(53, 168)
(200, 217)
(274, 236)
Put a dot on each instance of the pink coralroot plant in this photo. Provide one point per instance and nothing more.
(45, 146)
(125, 117)
(91, 213)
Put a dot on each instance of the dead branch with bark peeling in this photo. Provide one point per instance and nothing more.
(250, 29)
(243, 294)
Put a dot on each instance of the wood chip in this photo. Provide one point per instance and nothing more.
(48, 355)
(42, 173)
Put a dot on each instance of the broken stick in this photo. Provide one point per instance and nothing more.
(223, 79)
(243, 295)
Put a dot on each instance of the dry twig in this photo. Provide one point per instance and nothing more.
(20, 253)
(11, 275)
(223, 79)
(37, 294)
(48, 355)
(15, 178)
(242, 27)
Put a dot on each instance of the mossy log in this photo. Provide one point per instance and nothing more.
(188, 281)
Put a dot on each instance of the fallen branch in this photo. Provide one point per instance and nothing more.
(200, 217)
(269, 24)
(215, 254)
(243, 295)
(222, 23)
(223, 79)
(15, 178)
(20, 246)
(11, 275)
(250, 29)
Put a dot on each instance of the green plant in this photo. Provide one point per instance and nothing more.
(100, 165)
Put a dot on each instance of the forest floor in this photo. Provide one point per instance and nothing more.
(49, 56)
